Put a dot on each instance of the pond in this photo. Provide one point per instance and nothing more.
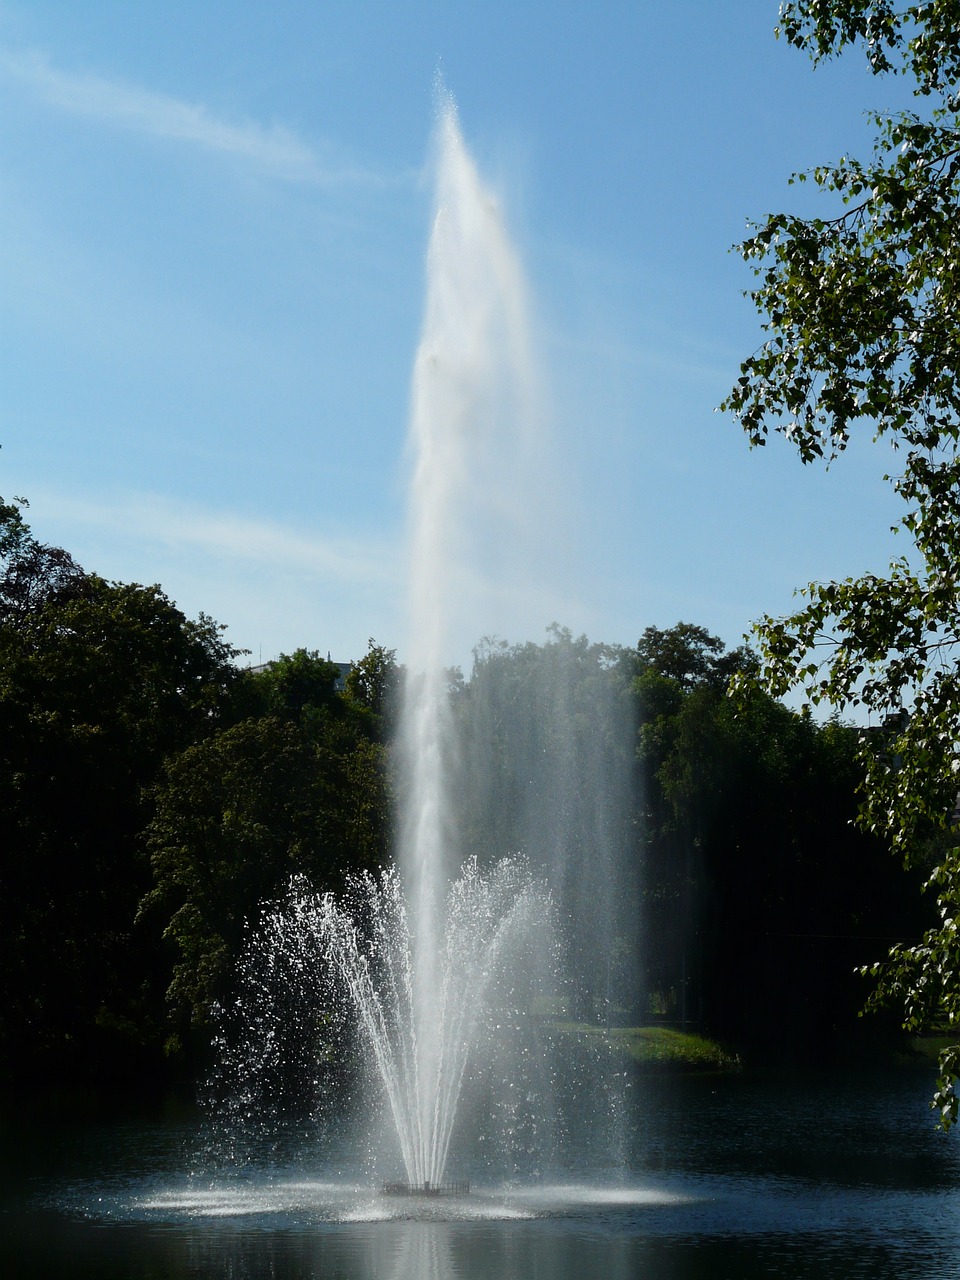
(827, 1176)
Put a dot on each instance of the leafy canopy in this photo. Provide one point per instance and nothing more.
(862, 311)
(299, 786)
(99, 683)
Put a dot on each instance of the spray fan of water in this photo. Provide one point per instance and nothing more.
(488, 923)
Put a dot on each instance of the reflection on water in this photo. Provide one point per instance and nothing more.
(272, 1203)
(729, 1178)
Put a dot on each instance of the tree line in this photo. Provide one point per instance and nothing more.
(155, 794)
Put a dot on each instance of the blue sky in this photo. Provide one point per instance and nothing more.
(213, 220)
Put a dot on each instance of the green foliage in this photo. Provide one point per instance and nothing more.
(536, 720)
(99, 681)
(31, 573)
(861, 307)
(373, 683)
(746, 816)
(301, 787)
(920, 40)
(300, 687)
(236, 815)
(654, 1046)
(152, 796)
(545, 770)
(688, 655)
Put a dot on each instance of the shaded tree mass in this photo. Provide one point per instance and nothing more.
(762, 894)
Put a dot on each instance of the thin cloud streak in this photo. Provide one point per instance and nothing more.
(275, 149)
(166, 522)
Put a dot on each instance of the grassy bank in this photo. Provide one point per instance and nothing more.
(924, 1051)
(661, 1048)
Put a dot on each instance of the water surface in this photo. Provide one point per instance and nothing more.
(828, 1176)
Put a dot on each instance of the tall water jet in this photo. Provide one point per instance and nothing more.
(472, 406)
(472, 403)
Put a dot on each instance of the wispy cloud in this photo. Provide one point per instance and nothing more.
(274, 148)
(181, 527)
(277, 586)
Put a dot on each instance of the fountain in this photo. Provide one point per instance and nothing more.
(438, 968)
(442, 968)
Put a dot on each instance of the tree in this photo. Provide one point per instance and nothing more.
(373, 683)
(99, 682)
(862, 309)
(237, 815)
(747, 809)
(31, 571)
(689, 655)
(298, 787)
(299, 686)
(544, 769)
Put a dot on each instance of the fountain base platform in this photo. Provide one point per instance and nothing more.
(433, 1190)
